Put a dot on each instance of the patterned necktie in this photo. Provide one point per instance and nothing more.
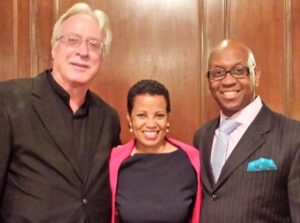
(222, 139)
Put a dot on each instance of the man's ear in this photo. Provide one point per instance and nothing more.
(257, 75)
(52, 52)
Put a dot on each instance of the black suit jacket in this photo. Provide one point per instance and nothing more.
(254, 197)
(40, 176)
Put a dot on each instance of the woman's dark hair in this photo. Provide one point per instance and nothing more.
(151, 87)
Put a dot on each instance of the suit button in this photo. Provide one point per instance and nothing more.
(84, 200)
(214, 197)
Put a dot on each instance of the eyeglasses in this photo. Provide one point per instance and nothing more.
(237, 72)
(76, 40)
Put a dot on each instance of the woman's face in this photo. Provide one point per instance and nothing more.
(149, 118)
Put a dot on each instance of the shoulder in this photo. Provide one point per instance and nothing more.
(21, 86)
(14, 91)
(103, 107)
(123, 150)
(19, 90)
(184, 146)
(278, 120)
(14, 86)
(207, 126)
(286, 124)
(101, 103)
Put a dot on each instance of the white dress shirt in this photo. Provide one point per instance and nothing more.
(245, 117)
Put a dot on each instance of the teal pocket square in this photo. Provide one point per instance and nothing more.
(261, 164)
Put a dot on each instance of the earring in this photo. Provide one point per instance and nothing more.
(168, 127)
(130, 127)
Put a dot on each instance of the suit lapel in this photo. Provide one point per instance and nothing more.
(93, 133)
(252, 139)
(206, 173)
(44, 101)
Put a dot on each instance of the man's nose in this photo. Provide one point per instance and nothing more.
(83, 48)
(228, 79)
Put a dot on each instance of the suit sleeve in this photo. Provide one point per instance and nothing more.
(5, 144)
(294, 188)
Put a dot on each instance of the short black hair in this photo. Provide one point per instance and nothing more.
(151, 87)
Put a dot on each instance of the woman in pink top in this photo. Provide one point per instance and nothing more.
(153, 178)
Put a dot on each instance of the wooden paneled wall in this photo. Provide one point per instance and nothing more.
(167, 40)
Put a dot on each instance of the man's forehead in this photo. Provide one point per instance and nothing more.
(79, 18)
(227, 58)
(228, 53)
(82, 24)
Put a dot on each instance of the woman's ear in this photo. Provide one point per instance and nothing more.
(129, 123)
(128, 117)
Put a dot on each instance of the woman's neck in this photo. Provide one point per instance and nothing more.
(164, 147)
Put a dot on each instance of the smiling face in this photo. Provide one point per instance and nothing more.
(232, 94)
(76, 66)
(149, 118)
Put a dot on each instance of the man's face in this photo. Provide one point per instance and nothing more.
(76, 65)
(230, 93)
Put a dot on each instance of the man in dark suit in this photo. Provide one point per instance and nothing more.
(56, 135)
(259, 178)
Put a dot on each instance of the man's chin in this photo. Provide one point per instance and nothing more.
(230, 110)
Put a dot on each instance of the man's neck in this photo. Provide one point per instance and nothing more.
(77, 92)
(77, 98)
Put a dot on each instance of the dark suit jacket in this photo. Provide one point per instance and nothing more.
(40, 176)
(254, 197)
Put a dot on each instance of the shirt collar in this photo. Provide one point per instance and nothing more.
(64, 95)
(247, 114)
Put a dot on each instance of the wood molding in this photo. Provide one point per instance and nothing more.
(33, 37)
(288, 56)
